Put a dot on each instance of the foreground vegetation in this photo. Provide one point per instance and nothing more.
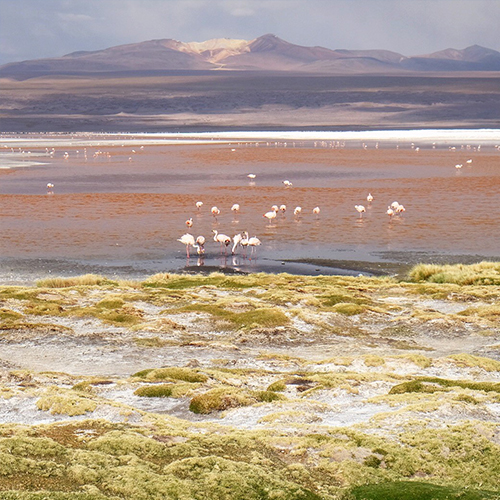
(252, 387)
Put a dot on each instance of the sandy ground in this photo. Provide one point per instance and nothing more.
(249, 101)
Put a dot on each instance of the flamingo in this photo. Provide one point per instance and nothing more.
(316, 211)
(287, 183)
(235, 208)
(215, 212)
(223, 239)
(361, 209)
(390, 212)
(253, 242)
(244, 242)
(275, 208)
(400, 209)
(297, 211)
(251, 176)
(469, 161)
(270, 215)
(50, 185)
(458, 166)
(189, 222)
(283, 208)
(199, 204)
(187, 239)
(200, 245)
(394, 205)
(236, 240)
(369, 198)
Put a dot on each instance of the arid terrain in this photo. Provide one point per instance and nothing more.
(252, 387)
(203, 100)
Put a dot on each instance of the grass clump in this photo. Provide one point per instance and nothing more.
(278, 386)
(155, 391)
(471, 361)
(172, 373)
(8, 315)
(268, 396)
(413, 490)
(374, 360)
(348, 309)
(65, 403)
(220, 399)
(85, 280)
(257, 318)
(483, 273)
(419, 359)
(112, 310)
(435, 384)
(149, 342)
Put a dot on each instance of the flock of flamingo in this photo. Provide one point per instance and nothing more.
(243, 240)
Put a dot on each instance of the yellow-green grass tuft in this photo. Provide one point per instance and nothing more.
(435, 384)
(471, 361)
(483, 273)
(172, 373)
(155, 391)
(278, 386)
(348, 309)
(374, 360)
(220, 399)
(65, 403)
(85, 280)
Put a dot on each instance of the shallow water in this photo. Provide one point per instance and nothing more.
(125, 209)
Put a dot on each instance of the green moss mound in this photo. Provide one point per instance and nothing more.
(217, 478)
(408, 490)
(434, 384)
(155, 391)
(172, 373)
(219, 400)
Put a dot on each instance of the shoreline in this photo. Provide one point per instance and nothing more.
(443, 135)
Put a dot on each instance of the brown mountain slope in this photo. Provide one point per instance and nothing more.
(265, 53)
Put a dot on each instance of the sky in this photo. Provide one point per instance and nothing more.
(33, 29)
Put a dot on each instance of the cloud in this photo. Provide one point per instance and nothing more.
(242, 12)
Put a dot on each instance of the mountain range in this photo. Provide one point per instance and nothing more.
(265, 53)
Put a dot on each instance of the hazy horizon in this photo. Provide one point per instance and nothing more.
(30, 29)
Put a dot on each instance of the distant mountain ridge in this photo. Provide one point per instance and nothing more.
(265, 53)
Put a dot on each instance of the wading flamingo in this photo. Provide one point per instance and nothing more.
(244, 242)
(215, 212)
(222, 239)
(253, 242)
(187, 239)
(369, 198)
(270, 215)
(361, 209)
(200, 245)
(199, 204)
(189, 222)
(236, 241)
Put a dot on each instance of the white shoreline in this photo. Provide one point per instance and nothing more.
(442, 136)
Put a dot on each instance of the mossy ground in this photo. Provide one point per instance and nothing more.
(272, 375)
